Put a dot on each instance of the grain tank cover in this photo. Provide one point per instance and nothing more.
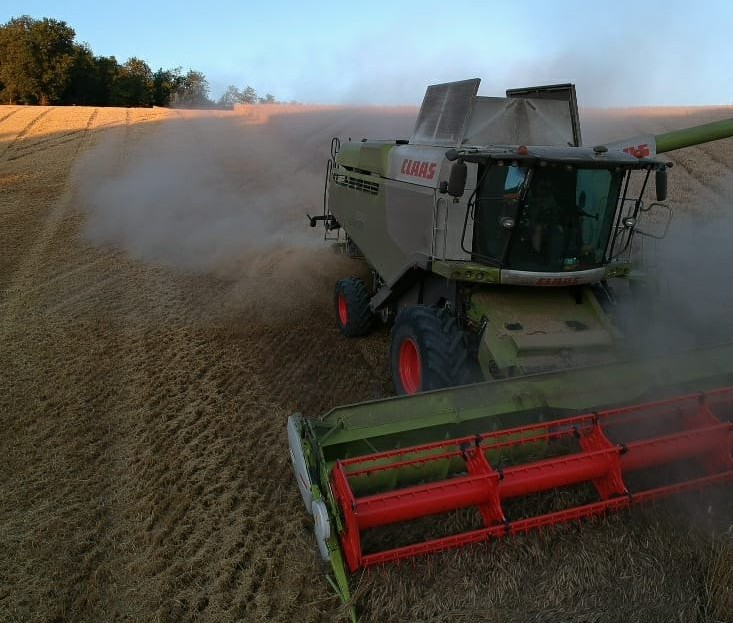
(566, 113)
(444, 113)
(452, 115)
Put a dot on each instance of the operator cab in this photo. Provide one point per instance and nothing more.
(553, 209)
(542, 219)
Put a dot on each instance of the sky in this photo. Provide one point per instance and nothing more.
(620, 53)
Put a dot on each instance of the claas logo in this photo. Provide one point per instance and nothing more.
(557, 281)
(417, 168)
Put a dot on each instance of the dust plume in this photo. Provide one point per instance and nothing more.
(695, 305)
(686, 303)
(227, 194)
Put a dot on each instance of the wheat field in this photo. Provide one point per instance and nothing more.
(164, 307)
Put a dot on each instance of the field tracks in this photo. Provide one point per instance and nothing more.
(25, 280)
(124, 147)
(39, 115)
(56, 140)
(81, 293)
(8, 115)
(32, 146)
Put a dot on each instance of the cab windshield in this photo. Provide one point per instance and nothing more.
(546, 219)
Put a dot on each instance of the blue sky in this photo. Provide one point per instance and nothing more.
(620, 53)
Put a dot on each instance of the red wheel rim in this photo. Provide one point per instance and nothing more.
(343, 310)
(410, 367)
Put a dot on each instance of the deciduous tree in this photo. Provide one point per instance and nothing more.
(134, 83)
(249, 95)
(165, 84)
(193, 92)
(40, 63)
(231, 96)
(37, 57)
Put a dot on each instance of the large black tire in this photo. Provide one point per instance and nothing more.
(428, 350)
(353, 314)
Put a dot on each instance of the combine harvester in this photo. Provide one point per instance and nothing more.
(491, 236)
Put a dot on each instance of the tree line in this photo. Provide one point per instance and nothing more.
(41, 63)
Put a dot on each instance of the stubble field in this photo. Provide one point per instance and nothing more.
(164, 307)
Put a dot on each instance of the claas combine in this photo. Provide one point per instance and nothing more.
(493, 239)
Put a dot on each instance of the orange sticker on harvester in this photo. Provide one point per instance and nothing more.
(640, 151)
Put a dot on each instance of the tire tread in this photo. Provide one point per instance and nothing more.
(441, 343)
(360, 318)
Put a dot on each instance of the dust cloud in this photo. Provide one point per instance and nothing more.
(226, 194)
(689, 307)
(686, 302)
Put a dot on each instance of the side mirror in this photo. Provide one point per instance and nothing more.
(457, 179)
(661, 184)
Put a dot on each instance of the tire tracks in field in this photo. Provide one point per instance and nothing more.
(108, 420)
(67, 274)
(83, 293)
(125, 144)
(8, 115)
(40, 145)
(19, 137)
(43, 144)
(195, 463)
(29, 268)
(173, 496)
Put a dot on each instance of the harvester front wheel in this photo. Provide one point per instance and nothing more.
(428, 350)
(353, 314)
